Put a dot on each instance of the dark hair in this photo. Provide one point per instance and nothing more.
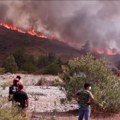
(19, 77)
(86, 85)
(20, 86)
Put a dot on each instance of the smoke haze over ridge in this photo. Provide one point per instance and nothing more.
(74, 22)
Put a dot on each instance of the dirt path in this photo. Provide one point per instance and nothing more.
(107, 117)
(72, 116)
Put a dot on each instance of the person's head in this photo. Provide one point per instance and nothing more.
(87, 86)
(20, 86)
(18, 77)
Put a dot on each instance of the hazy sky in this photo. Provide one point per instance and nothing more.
(74, 22)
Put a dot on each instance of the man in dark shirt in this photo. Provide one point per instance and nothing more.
(12, 90)
(84, 99)
(21, 97)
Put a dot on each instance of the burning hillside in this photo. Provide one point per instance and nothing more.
(13, 39)
(88, 48)
(30, 31)
(105, 51)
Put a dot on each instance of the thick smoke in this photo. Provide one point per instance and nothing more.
(74, 22)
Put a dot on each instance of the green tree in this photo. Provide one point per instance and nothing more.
(10, 64)
(105, 84)
(29, 67)
(51, 57)
(42, 61)
(49, 64)
(24, 61)
(30, 59)
(53, 69)
(20, 57)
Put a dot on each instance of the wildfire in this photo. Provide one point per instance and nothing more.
(29, 31)
(42, 35)
(106, 51)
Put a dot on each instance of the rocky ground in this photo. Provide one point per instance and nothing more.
(47, 98)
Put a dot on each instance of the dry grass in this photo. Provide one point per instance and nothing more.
(75, 117)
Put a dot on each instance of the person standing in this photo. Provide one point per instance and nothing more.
(85, 99)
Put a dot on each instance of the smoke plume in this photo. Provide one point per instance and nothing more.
(74, 22)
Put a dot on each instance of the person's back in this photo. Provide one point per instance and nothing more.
(21, 97)
(84, 97)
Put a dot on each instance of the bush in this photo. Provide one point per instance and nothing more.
(53, 69)
(10, 64)
(56, 82)
(45, 60)
(9, 113)
(49, 64)
(41, 82)
(5, 84)
(46, 64)
(42, 62)
(24, 61)
(29, 67)
(2, 70)
(105, 84)
(20, 57)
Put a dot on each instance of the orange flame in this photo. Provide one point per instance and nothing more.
(106, 51)
(29, 31)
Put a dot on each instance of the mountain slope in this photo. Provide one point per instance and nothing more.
(10, 41)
